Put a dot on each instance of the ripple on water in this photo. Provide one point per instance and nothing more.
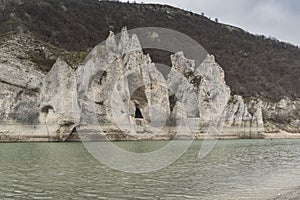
(259, 169)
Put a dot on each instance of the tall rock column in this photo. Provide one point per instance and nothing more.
(59, 107)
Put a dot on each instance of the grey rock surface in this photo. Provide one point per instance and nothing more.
(119, 93)
(58, 100)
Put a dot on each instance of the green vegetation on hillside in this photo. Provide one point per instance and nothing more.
(254, 65)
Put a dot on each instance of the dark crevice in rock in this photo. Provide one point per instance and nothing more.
(46, 109)
(19, 86)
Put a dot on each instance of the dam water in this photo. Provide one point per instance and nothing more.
(235, 169)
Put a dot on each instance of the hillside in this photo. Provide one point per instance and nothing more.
(254, 66)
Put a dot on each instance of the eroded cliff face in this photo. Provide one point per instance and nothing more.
(119, 93)
(59, 109)
(282, 116)
(123, 89)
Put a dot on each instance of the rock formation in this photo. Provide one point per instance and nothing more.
(118, 92)
(58, 100)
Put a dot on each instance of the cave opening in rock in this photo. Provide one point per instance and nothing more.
(138, 113)
(46, 109)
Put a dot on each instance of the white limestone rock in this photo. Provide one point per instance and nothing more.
(20, 77)
(59, 100)
(114, 84)
(246, 119)
(214, 94)
(118, 91)
(201, 89)
(179, 83)
(281, 116)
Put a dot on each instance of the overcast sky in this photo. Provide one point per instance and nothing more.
(278, 18)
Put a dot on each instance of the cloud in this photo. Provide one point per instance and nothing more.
(275, 18)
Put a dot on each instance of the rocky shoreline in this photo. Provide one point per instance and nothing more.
(32, 134)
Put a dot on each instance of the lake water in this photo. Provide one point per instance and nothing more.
(235, 169)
